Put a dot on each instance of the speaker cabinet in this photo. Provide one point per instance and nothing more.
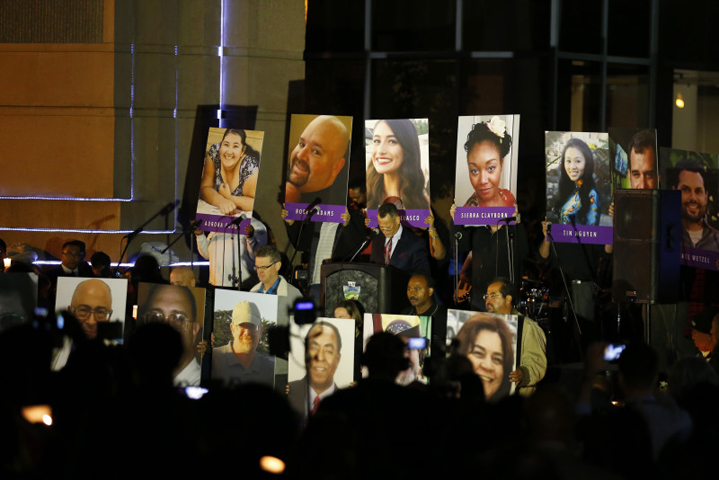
(647, 246)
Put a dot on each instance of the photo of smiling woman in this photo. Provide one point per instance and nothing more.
(486, 168)
(398, 168)
(229, 178)
(579, 187)
(487, 341)
(577, 190)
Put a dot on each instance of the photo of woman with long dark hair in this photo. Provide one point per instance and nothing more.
(578, 200)
(395, 170)
(229, 176)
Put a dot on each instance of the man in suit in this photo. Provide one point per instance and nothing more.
(73, 262)
(398, 246)
(323, 347)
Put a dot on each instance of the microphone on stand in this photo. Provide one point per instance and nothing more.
(238, 220)
(312, 208)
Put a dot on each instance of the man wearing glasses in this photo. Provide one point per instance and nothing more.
(176, 306)
(73, 261)
(91, 303)
(73, 265)
(239, 362)
(533, 357)
(267, 265)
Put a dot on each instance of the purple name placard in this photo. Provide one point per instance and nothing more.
(216, 223)
(324, 213)
(583, 234)
(414, 217)
(482, 215)
(695, 257)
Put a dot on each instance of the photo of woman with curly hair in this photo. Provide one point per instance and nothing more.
(486, 169)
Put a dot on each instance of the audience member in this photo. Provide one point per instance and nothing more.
(182, 276)
(638, 377)
(100, 262)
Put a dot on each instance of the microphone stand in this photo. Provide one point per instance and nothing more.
(361, 248)
(130, 236)
(510, 236)
(564, 278)
(457, 238)
(236, 281)
(307, 219)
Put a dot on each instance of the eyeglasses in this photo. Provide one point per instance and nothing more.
(179, 321)
(491, 295)
(83, 312)
(263, 268)
(72, 254)
(250, 327)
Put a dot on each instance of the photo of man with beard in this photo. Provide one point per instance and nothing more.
(692, 179)
(318, 165)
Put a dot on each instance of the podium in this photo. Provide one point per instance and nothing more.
(381, 289)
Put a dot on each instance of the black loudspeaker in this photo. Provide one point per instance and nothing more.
(647, 246)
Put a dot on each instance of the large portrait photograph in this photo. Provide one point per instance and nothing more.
(241, 350)
(579, 187)
(229, 179)
(486, 176)
(182, 308)
(321, 361)
(490, 343)
(98, 304)
(634, 159)
(317, 167)
(696, 176)
(397, 160)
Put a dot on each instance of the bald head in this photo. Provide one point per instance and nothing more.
(182, 276)
(91, 303)
(319, 155)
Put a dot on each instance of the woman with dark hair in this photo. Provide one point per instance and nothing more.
(578, 201)
(395, 170)
(353, 310)
(487, 145)
(486, 341)
(229, 177)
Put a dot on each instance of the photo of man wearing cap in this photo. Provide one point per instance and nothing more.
(239, 362)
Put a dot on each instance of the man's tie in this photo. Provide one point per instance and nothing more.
(387, 251)
(316, 404)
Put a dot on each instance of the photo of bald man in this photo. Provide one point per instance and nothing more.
(92, 301)
(318, 165)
